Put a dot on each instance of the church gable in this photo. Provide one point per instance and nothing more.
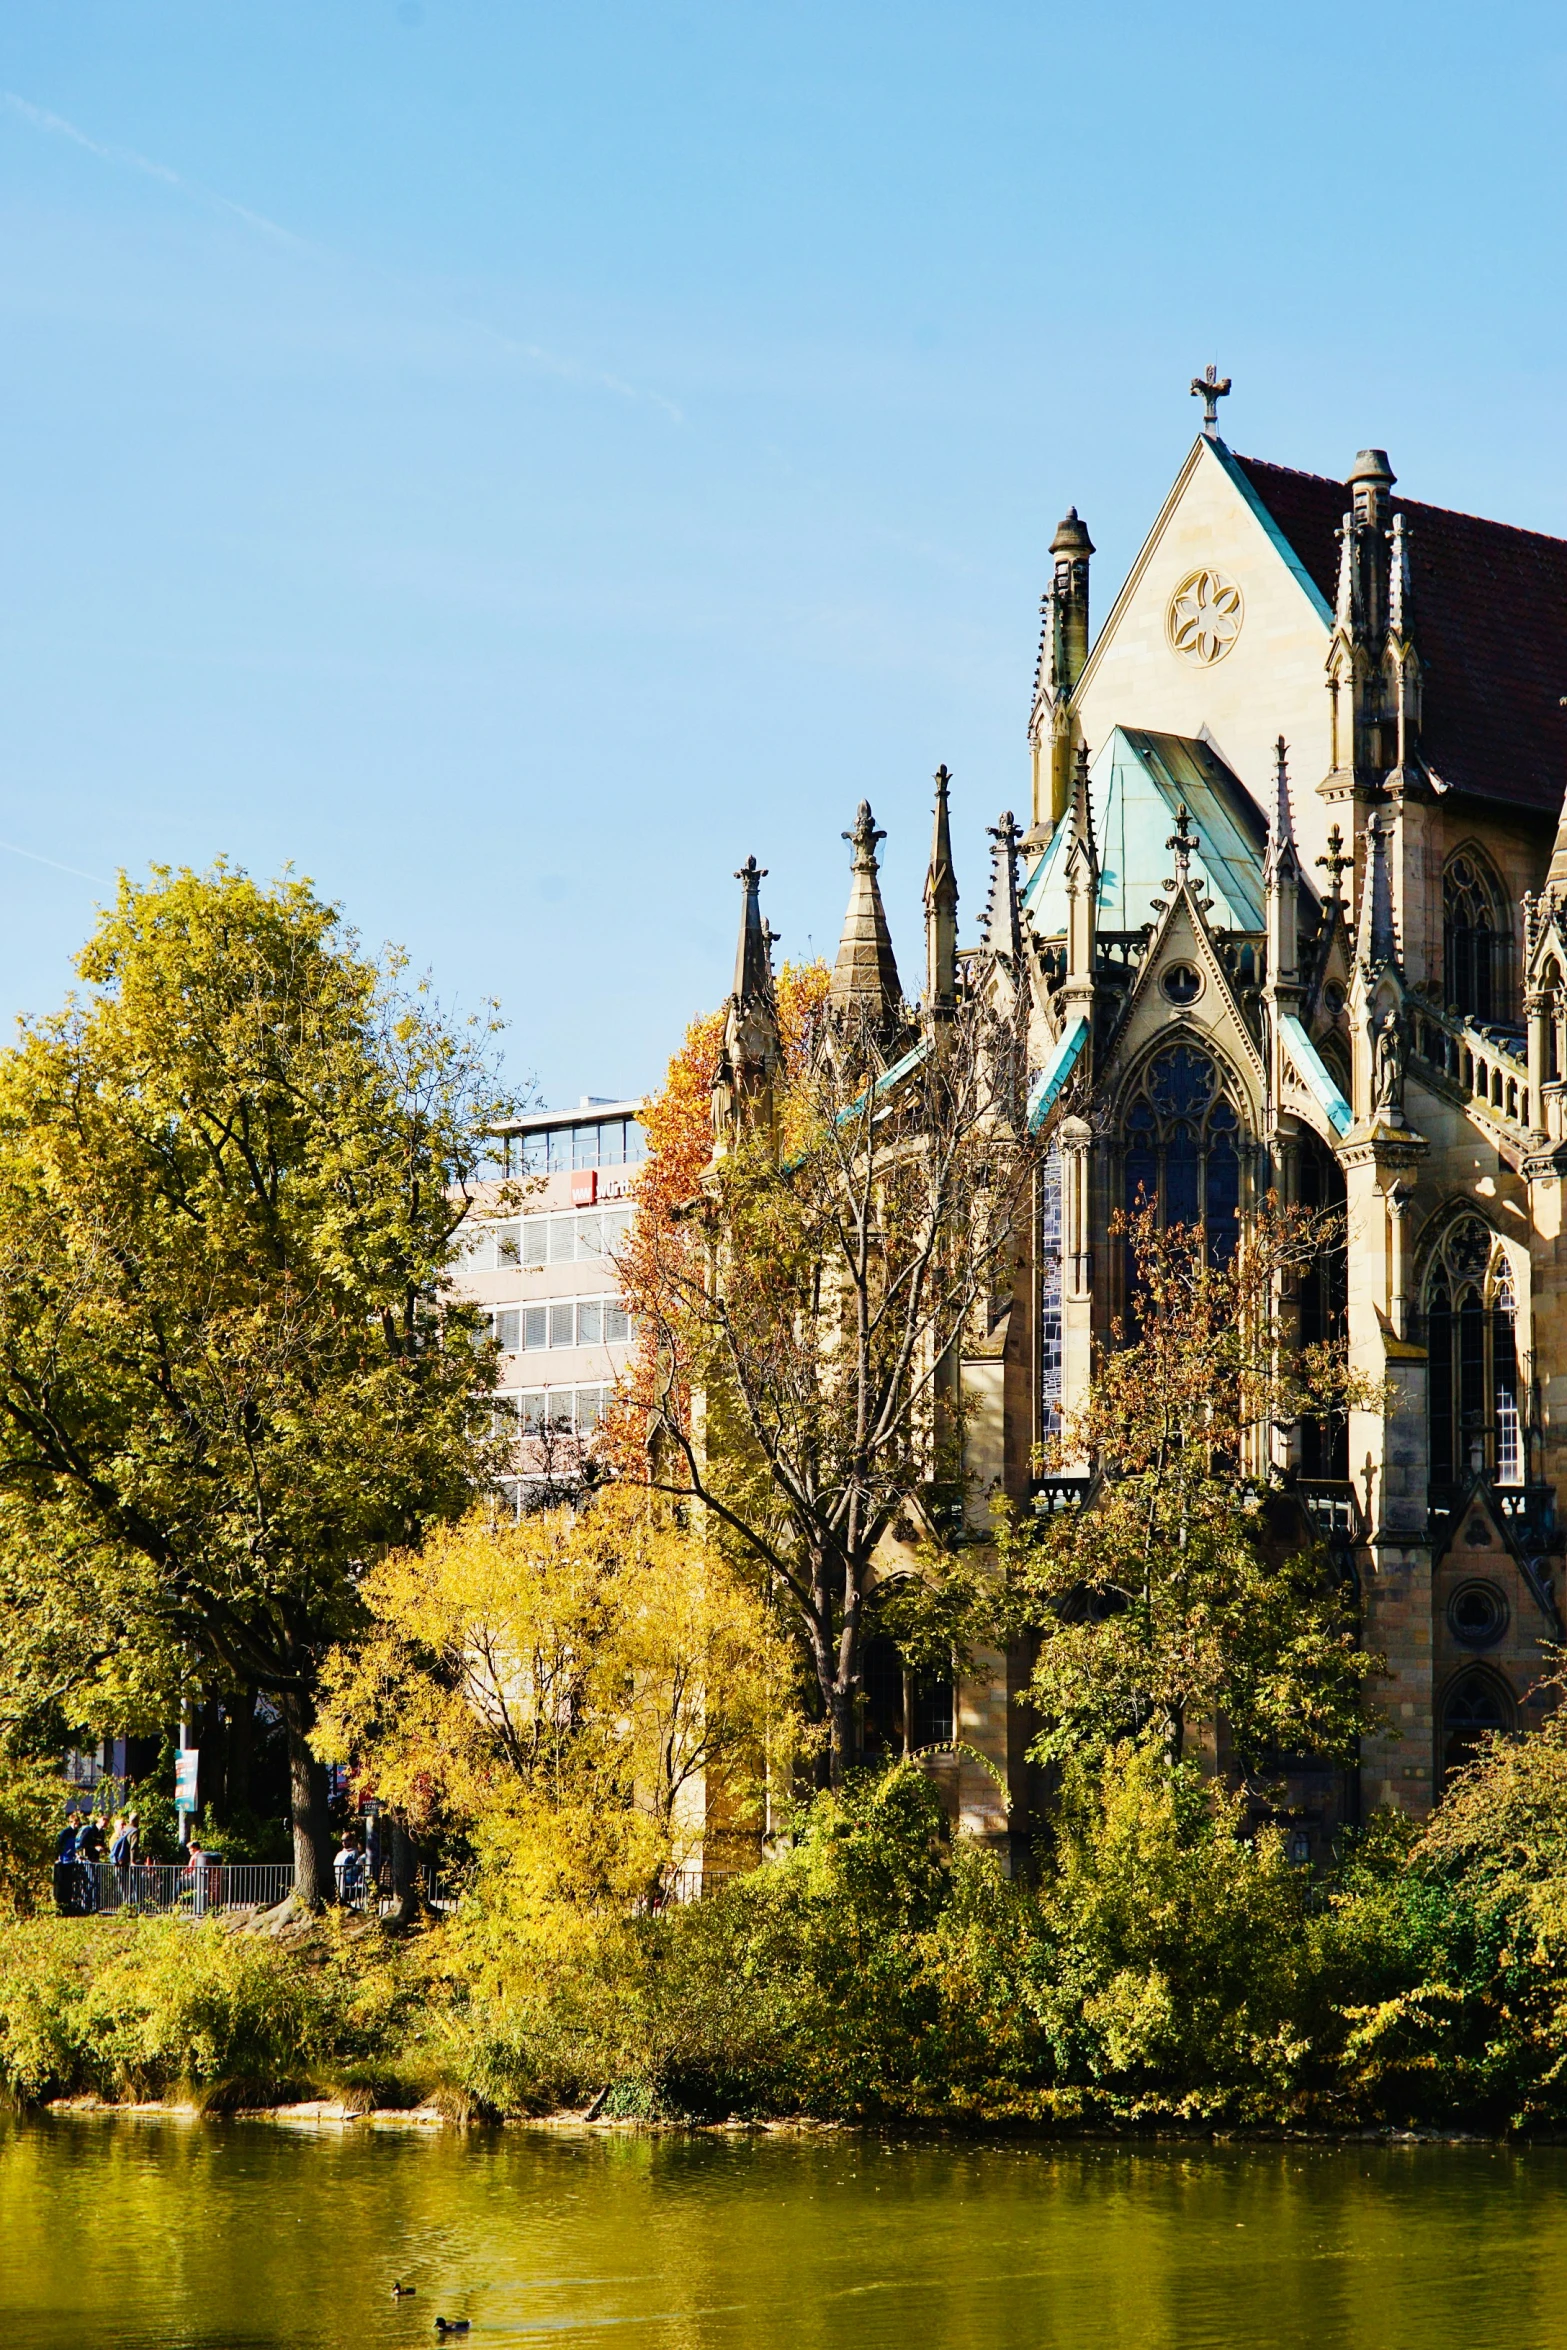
(1219, 635)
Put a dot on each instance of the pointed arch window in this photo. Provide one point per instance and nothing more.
(1324, 1302)
(1182, 1146)
(1471, 1332)
(1478, 1706)
(1476, 935)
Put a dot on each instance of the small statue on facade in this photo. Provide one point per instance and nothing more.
(1387, 1066)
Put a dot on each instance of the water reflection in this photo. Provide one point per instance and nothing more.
(160, 2232)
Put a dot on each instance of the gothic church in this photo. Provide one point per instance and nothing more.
(1291, 914)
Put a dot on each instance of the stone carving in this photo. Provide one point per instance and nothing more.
(1387, 1066)
(1204, 618)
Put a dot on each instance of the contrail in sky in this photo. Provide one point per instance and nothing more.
(568, 370)
(95, 878)
(56, 124)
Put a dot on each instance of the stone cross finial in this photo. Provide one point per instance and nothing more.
(1210, 387)
(1336, 863)
(1181, 843)
(864, 838)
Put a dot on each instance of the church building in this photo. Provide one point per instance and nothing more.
(1291, 913)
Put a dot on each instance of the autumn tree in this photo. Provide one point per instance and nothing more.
(1187, 1590)
(233, 1372)
(582, 1695)
(801, 1293)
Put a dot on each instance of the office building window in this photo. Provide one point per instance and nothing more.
(506, 1333)
(534, 1328)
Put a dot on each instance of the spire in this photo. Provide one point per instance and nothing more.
(1082, 883)
(865, 975)
(1003, 916)
(941, 910)
(1082, 812)
(1375, 940)
(753, 967)
(750, 1056)
(1281, 877)
(1281, 830)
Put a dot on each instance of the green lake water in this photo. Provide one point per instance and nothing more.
(170, 2233)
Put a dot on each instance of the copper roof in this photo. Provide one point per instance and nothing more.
(1489, 619)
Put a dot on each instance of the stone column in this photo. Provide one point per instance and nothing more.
(1389, 1463)
(1077, 1261)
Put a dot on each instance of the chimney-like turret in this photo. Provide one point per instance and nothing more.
(1066, 635)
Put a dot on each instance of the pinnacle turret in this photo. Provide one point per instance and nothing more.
(941, 909)
(1003, 916)
(865, 974)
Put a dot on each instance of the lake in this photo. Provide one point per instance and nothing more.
(172, 2233)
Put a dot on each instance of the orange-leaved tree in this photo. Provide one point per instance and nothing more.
(801, 1293)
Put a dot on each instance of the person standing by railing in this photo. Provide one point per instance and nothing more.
(89, 1852)
(120, 1855)
(67, 1869)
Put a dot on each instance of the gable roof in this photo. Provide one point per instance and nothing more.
(1136, 783)
(1489, 620)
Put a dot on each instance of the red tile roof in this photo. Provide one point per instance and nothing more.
(1489, 618)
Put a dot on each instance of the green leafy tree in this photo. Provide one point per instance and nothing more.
(1186, 1591)
(232, 1369)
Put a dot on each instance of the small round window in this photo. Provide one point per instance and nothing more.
(1477, 1615)
(1182, 983)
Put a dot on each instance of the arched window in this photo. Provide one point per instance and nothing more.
(1051, 1327)
(1471, 1331)
(1183, 1146)
(1479, 1705)
(1476, 936)
(1324, 1304)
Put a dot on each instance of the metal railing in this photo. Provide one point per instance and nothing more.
(157, 1889)
(153, 1889)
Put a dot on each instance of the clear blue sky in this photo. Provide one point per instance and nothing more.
(513, 460)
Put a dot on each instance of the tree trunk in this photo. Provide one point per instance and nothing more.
(405, 1885)
(307, 1802)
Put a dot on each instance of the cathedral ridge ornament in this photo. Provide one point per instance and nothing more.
(1204, 617)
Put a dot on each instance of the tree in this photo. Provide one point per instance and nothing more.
(1181, 1593)
(233, 1372)
(801, 1302)
(584, 1695)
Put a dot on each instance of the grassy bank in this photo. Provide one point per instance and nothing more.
(1158, 1970)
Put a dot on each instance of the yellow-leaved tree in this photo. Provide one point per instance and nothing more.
(587, 1696)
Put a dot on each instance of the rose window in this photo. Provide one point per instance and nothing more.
(1204, 618)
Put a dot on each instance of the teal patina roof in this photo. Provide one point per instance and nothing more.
(1136, 784)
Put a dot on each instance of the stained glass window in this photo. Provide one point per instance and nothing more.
(1182, 1147)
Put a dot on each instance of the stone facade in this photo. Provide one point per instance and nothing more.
(1355, 972)
(1290, 917)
